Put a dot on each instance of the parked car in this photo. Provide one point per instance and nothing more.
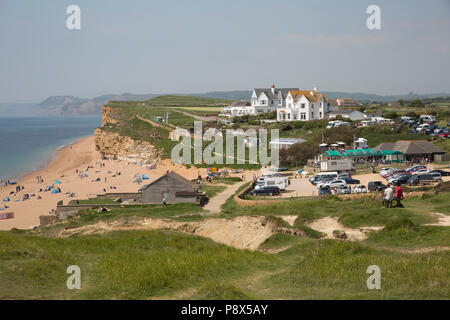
(352, 181)
(402, 179)
(336, 184)
(420, 171)
(324, 191)
(360, 189)
(343, 190)
(441, 172)
(419, 179)
(323, 182)
(395, 173)
(415, 168)
(444, 135)
(266, 191)
(376, 186)
(385, 171)
(436, 176)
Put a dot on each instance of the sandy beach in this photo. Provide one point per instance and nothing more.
(82, 157)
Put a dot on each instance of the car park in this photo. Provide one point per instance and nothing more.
(384, 171)
(266, 191)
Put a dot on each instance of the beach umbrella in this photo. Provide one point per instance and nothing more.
(85, 175)
(54, 191)
(299, 171)
(145, 177)
(57, 182)
(6, 199)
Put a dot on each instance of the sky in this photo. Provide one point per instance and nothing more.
(194, 46)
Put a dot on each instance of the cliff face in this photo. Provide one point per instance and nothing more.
(108, 115)
(114, 146)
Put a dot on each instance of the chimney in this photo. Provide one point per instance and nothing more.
(315, 89)
(272, 89)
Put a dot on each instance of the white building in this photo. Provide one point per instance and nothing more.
(284, 143)
(303, 106)
(353, 115)
(237, 109)
(267, 100)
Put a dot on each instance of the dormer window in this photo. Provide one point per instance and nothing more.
(303, 106)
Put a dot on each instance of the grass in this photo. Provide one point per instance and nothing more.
(165, 264)
(211, 190)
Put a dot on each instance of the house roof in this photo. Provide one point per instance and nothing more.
(338, 112)
(411, 147)
(175, 176)
(240, 103)
(310, 95)
(279, 93)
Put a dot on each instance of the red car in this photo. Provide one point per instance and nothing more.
(444, 135)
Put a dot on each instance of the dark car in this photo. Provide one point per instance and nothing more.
(402, 179)
(351, 181)
(442, 172)
(324, 191)
(376, 186)
(417, 179)
(266, 191)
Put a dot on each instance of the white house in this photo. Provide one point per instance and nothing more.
(266, 100)
(303, 106)
(237, 109)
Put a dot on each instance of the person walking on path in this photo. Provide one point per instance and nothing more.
(388, 197)
(399, 195)
(164, 201)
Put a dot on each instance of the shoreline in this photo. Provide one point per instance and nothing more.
(53, 156)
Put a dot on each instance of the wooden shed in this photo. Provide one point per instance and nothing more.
(176, 188)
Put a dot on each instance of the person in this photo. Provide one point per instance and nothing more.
(388, 197)
(164, 201)
(399, 194)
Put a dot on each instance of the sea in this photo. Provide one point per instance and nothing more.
(29, 143)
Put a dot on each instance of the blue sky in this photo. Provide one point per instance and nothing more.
(197, 46)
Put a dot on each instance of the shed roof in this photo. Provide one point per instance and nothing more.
(175, 176)
(411, 147)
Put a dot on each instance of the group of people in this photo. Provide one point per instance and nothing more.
(392, 193)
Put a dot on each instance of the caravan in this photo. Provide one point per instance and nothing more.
(272, 181)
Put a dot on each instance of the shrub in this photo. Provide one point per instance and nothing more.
(400, 223)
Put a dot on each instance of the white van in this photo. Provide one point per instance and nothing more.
(426, 118)
(334, 123)
(272, 181)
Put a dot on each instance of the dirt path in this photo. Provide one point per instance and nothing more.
(218, 200)
(196, 117)
(245, 232)
(443, 220)
(328, 224)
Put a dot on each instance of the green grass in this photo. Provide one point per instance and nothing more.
(212, 190)
(152, 264)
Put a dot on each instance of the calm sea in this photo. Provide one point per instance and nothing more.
(29, 143)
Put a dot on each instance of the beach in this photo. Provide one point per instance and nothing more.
(71, 161)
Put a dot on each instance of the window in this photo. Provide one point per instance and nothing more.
(295, 117)
(271, 102)
(262, 101)
(320, 114)
(289, 116)
(280, 102)
(312, 115)
(303, 116)
(303, 106)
